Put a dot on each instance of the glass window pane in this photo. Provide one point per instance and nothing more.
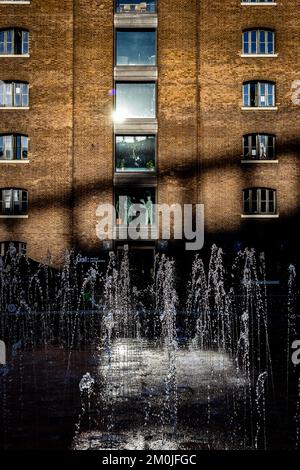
(253, 42)
(136, 47)
(8, 94)
(25, 42)
(271, 47)
(18, 147)
(270, 97)
(135, 100)
(24, 146)
(135, 153)
(262, 142)
(262, 94)
(8, 145)
(9, 42)
(2, 49)
(246, 97)
(144, 198)
(246, 42)
(262, 42)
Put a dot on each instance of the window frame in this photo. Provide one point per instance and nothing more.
(131, 171)
(136, 189)
(256, 156)
(136, 30)
(5, 247)
(261, 94)
(18, 206)
(136, 82)
(10, 89)
(17, 43)
(14, 147)
(253, 198)
(258, 41)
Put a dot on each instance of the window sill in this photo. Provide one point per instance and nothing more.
(259, 161)
(258, 56)
(14, 161)
(259, 216)
(13, 216)
(14, 108)
(21, 2)
(259, 4)
(18, 56)
(259, 108)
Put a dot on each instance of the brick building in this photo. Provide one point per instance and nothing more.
(169, 101)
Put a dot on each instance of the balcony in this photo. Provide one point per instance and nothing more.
(135, 14)
(135, 7)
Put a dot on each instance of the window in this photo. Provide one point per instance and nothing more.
(258, 94)
(259, 147)
(136, 47)
(259, 201)
(13, 202)
(13, 147)
(135, 6)
(13, 248)
(14, 94)
(135, 100)
(258, 41)
(141, 198)
(14, 42)
(135, 153)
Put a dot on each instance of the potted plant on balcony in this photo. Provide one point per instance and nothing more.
(150, 165)
(121, 165)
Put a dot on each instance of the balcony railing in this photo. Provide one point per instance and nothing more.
(137, 7)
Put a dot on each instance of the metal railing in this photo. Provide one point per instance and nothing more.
(135, 7)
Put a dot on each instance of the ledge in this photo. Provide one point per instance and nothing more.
(258, 4)
(258, 56)
(259, 108)
(13, 216)
(135, 20)
(135, 73)
(21, 2)
(137, 126)
(145, 179)
(14, 161)
(14, 108)
(14, 56)
(259, 216)
(259, 161)
(121, 232)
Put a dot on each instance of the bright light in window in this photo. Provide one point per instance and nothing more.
(119, 116)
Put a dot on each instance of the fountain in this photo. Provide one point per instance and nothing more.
(135, 367)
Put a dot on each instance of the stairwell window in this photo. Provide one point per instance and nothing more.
(259, 41)
(259, 201)
(14, 42)
(258, 147)
(13, 147)
(258, 94)
(13, 201)
(14, 94)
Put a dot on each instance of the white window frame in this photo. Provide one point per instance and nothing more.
(271, 198)
(10, 94)
(262, 94)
